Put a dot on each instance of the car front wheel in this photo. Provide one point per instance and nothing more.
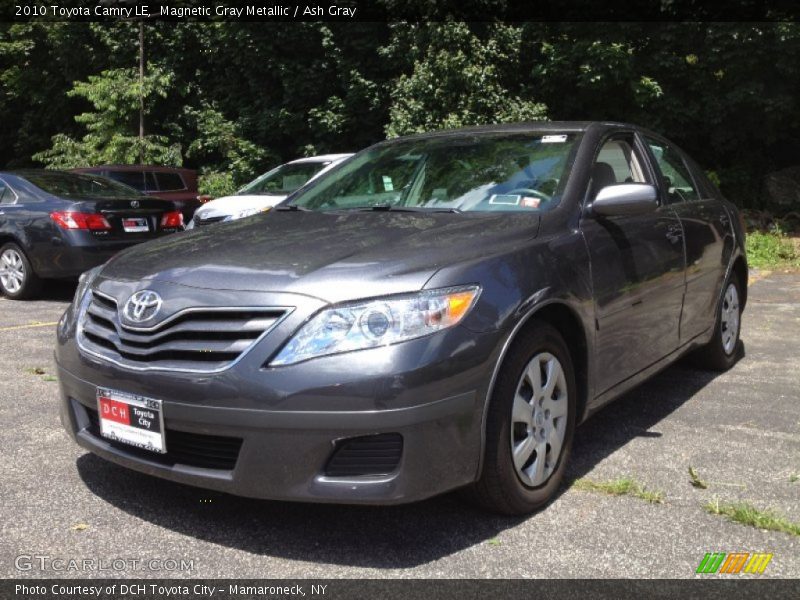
(17, 279)
(530, 424)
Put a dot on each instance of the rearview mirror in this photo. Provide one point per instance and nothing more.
(625, 199)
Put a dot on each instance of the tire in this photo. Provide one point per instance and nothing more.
(512, 489)
(722, 351)
(17, 278)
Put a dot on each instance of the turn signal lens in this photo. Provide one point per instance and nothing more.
(172, 219)
(79, 220)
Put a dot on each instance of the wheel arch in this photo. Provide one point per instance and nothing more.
(569, 324)
(739, 268)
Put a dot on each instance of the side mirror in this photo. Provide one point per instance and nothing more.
(625, 199)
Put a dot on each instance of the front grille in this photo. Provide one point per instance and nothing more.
(199, 222)
(368, 455)
(184, 448)
(199, 339)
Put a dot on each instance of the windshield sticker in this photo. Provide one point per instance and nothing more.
(507, 199)
(554, 139)
(388, 186)
(529, 202)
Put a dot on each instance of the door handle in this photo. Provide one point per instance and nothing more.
(674, 233)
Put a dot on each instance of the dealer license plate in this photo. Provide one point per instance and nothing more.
(135, 225)
(131, 419)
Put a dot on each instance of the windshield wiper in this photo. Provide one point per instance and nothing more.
(397, 208)
(292, 207)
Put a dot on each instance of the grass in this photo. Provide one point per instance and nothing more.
(768, 250)
(35, 371)
(624, 486)
(694, 479)
(49, 378)
(747, 514)
(794, 478)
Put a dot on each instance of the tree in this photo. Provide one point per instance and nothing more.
(112, 127)
(458, 76)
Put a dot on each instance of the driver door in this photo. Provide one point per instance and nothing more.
(637, 270)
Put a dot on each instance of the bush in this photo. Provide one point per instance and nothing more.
(771, 250)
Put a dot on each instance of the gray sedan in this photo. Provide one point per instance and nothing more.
(436, 312)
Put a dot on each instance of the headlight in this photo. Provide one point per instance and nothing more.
(248, 212)
(84, 281)
(380, 322)
(69, 317)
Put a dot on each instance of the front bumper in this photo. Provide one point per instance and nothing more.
(289, 435)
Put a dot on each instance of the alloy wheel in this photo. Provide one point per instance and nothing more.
(12, 271)
(729, 316)
(539, 419)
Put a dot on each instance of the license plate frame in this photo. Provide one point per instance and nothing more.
(135, 225)
(131, 419)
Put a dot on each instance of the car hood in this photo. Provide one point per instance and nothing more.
(229, 205)
(331, 256)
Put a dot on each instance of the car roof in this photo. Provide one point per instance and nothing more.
(523, 127)
(25, 172)
(320, 158)
(134, 168)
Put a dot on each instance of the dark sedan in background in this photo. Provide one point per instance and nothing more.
(436, 312)
(168, 183)
(56, 225)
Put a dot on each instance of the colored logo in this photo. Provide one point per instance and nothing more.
(734, 562)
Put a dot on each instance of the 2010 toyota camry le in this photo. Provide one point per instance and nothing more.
(437, 312)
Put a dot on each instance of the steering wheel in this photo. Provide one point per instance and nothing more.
(530, 192)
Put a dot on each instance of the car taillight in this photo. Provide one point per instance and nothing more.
(79, 220)
(172, 219)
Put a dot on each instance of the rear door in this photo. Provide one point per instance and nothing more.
(707, 234)
(637, 270)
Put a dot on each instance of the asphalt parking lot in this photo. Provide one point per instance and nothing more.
(740, 431)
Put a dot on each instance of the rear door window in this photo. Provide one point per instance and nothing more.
(169, 182)
(134, 179)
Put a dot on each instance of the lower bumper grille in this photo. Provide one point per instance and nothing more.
(191, 449)
(368, 455)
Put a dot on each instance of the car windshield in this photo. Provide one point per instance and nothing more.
(478, 172)
(283, 180)
(74, 185)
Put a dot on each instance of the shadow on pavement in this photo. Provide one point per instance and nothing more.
(367, 536)
(58, 290)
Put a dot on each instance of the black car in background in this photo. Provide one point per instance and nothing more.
(438, 311)
(56, 225)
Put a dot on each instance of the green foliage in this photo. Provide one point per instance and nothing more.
(112, 127)
(235, 98)
(230, 159)
(216, 184)
(771, 250)
(747, 514)
(624, 486)
(458, 78)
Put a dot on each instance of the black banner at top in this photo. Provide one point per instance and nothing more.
(401, 10)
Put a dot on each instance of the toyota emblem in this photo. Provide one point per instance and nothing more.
(142, 306)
